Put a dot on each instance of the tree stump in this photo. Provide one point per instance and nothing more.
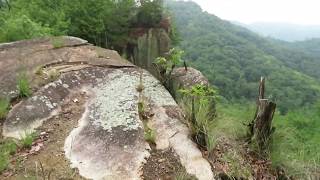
(261, 126)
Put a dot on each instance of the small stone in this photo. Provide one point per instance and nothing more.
(161, 160)
(65, 86)
(43, 133)
(75, 100)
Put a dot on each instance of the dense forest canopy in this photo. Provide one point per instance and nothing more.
(234, 58)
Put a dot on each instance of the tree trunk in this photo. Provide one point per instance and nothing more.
(261, 126)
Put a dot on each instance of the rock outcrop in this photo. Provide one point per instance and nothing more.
(147, 45)
(109, 141)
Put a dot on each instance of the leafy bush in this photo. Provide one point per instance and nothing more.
(23, 86)
(165, 66)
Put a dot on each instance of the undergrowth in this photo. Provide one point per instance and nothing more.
(198, 103)
(4, 107)
(23, 85)
(7, 148)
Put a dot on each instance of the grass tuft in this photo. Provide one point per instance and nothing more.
(4, 107)
(28, 139)
(7, 148)
(53, 75)
(149, 135)
(39, 71)
(23, 85)
(57, 42)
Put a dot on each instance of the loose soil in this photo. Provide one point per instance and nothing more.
(48, 161)
(164, 165)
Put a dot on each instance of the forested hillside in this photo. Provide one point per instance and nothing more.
(234, 58)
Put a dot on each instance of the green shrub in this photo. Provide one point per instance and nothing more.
(4, 107)
(23, 86)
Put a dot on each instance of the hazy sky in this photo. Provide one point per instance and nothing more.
(248, 11)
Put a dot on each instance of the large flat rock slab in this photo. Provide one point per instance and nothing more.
(29, 55)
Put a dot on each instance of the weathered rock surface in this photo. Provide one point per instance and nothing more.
(28, 56)
(181, 79)
(109, 140)
(148, 46)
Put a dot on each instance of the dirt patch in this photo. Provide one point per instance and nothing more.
(164, 165)
(50, 160)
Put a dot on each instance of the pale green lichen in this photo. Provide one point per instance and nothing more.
(117, 99)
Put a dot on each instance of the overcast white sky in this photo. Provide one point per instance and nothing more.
(306, 12)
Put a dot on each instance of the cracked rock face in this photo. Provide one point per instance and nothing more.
(108, 142)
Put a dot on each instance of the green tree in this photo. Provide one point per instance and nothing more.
(150, 13)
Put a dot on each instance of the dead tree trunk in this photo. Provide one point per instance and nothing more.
(261, 126)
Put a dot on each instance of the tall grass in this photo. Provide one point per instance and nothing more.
(295, 143)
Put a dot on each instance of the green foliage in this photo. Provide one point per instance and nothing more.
(200, 91)
(7, 148)
(199, 104)
(150, 13)
(165, 66)
(149, 135)
(4, 162)
(233, 59)
(23, 86)
(18, 27)
(4, 107)
(28, 139)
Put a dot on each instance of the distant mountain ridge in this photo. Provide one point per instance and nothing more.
(284, 31)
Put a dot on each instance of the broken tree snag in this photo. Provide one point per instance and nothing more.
(260, 96)
(261, 127)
